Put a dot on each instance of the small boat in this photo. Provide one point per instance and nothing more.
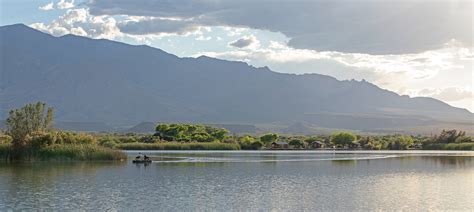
(142, 161)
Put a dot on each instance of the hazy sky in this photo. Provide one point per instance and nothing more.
(413, 47)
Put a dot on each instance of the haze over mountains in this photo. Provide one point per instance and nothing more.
(90, 80)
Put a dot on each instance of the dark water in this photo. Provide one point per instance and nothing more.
(213, 180)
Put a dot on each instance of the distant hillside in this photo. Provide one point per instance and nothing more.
(90, 80)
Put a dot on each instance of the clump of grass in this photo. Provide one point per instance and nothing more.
(450, 146)
(65, 152)
(79, 152)
(179, 146)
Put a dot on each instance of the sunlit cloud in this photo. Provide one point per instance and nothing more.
(47, 7)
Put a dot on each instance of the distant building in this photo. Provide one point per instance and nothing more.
(280, 145)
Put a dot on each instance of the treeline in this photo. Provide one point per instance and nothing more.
(29, 135)
(181, 136)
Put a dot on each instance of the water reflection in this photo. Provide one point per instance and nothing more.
(457, 161)
(183, 181)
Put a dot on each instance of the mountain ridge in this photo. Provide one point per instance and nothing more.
(109, 81)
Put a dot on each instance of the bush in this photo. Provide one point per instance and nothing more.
(41, 139)
(450, 146)
(127, 139)
(5, 139)
(75, 138)
(249, 145)
(463, 139)
(108, 142)
(401, 143)
(149, 139)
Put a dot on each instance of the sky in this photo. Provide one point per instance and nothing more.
(412, 47)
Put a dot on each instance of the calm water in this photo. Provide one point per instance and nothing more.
(214, 180)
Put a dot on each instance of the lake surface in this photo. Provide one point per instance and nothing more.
(247, 180)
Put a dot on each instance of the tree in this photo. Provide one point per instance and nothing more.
(26, 120)
(342, 138)
(448, 136)
(257, 145)
(268, 138)
(297, 143)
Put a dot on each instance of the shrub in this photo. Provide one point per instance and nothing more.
(5, 139)
(450, 146)
(127, 139)
(75, 138)
(401, 142)
(41, 139)
(107, 141)
(463, 139)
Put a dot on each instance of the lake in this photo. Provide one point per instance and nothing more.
(247, 180)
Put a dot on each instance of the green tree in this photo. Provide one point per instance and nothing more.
(268, 138)
(297, 143)
(257, 145)
(246, 139)
(342, 138)
(26, 120)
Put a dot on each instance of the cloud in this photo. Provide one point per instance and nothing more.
(150, 25)
(249, 41)
(79, 22)
(370, 27)
(62, 4)
(47, 7)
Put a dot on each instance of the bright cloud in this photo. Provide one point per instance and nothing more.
(62, 4)
(46, 7)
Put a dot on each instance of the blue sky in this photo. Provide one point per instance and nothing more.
(417, 48)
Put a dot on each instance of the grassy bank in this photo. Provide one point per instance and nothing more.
(179, 146)
(450, 146)
(66, 152)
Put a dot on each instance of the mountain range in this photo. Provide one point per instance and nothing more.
(97, 80)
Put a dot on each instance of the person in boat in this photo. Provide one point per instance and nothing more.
(146, 157)
(139, 156)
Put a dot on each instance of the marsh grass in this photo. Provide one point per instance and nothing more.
(450, 146)
(66, 152)
(179, 146)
